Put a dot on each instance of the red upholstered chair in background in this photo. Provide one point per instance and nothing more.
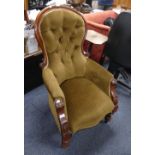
(95, 22)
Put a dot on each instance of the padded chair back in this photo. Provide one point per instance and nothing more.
(118, 47)
(62, 31)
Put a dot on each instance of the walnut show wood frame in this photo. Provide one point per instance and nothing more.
(66, 133)
(113, 95)
(59, 103)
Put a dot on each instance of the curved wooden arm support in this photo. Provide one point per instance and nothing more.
(66, 133)
(113, 94)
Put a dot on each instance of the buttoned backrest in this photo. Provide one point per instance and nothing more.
(62, 32)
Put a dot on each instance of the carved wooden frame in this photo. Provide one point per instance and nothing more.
(114, 98)
(59, 102)
(38, 33)
(66, 133)
(113, 95)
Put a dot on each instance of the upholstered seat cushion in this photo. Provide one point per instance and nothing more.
(87, 104)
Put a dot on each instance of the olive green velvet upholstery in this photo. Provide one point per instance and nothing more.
(83, 84)
(86, 103)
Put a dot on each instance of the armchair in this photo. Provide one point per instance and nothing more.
(81, 92)
(95, 21)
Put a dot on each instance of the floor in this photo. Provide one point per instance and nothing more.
(41, 136)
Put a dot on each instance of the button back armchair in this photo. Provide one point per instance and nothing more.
(81, 92)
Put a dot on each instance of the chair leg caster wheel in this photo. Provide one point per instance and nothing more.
(107, 118)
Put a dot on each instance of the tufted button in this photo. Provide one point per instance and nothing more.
(55, 75)
(53, 29)
(77, 26)
(71, 39)
(62, 61)
(65, 29)
(61, 39)
(72, 56)
(76, 47)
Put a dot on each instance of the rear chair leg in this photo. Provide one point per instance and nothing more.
(113, 95)
(107, 118)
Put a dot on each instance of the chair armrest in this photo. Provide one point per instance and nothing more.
(100, 26)
(58, 105)
(103, 29)
(52, 84)
(99, 75)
